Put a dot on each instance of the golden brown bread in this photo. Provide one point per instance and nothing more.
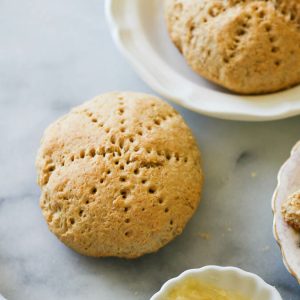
(120, 175)
(291, 210)
(247, 46)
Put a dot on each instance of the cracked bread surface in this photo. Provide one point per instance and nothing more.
(120, 175)
(291, 210)
(246, 46)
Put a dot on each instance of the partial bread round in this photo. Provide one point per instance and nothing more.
(291, 210)
(120, 175)
(247, 46)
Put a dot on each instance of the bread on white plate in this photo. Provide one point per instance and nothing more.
(284, 232)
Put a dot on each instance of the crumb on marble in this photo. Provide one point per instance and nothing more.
(253, 174)
(204, 235)
(265, 249)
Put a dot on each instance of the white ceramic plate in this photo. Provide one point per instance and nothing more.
(235, 279)
(139, 30)
(287, 238)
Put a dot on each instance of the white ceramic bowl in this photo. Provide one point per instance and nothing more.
(139, 31)
(287, 238)
(244, 283)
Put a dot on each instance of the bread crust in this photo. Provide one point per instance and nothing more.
(249, 47)
(120, 175)
(291, 210)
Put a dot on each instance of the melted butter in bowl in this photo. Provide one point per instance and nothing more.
(193, 289)
(216, 283)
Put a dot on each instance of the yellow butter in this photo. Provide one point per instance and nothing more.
(192, 289)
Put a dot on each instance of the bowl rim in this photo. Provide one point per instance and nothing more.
(187, 96)
(241, 273)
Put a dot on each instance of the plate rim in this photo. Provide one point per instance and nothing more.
(274, 210)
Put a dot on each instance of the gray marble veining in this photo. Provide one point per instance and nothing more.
(56, 54)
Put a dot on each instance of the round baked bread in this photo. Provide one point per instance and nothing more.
(291, 210)
(247, 46)
(120, 175)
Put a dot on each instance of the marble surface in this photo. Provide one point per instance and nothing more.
(55, 54)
